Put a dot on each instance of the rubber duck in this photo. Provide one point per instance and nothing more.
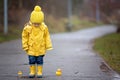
(58, 72)
(20, 73)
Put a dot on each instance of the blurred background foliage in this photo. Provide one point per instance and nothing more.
(56, 14)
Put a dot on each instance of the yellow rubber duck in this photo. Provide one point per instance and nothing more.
(58, 72)
(20, 73)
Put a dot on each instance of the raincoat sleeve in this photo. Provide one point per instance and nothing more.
(48, 42)
(25, 39)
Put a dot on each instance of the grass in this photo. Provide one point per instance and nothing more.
(13, 33)
(55, 25)
(79, 23)
(109, 48)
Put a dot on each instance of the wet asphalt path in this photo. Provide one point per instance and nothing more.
(72, 53)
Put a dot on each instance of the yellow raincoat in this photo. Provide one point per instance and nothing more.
(36, 40)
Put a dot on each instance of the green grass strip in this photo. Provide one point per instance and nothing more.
(109, 48)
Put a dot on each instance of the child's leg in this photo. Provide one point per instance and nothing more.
(32, 61)
(39, 66)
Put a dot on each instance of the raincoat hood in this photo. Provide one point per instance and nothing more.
(37, 16)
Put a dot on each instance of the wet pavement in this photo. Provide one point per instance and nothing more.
(72, 53)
